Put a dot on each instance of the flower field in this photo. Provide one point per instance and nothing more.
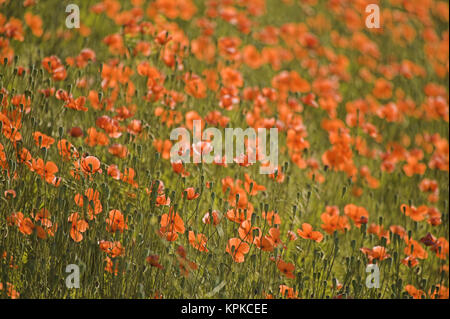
(357, 206)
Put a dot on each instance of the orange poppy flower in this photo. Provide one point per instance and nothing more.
(78, 227)
(251, 184)
(90, 165)
(113, 249)
(439, 292)
(379, 231)
(286, 268)
(414, 292)
(231, 77)
(116, 221)
(198, 242)
(35, 23)
(246, 231)
(190, 193)
(272, 218)
(358, 214)
(42, 140)
(45, 170)
(414, 249)
(333, 222)
(413, 166)
(377, 253)
(308, 233)
(26, 226)
(237, 249)
(275, 236)
(171, 225)
(96, 138)
(291, 294)
(416, 214)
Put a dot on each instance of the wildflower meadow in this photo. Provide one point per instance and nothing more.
(315, 162)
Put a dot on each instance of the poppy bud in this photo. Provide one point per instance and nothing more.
(5, 61)
(251, 187)
(253, 219)
(76, 132)
(213, 196)
(363, 228)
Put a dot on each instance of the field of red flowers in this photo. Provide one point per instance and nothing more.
(357, 206)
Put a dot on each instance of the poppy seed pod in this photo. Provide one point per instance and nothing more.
(286, 166)
(363, 229)
(251, 187)
(253, 219)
